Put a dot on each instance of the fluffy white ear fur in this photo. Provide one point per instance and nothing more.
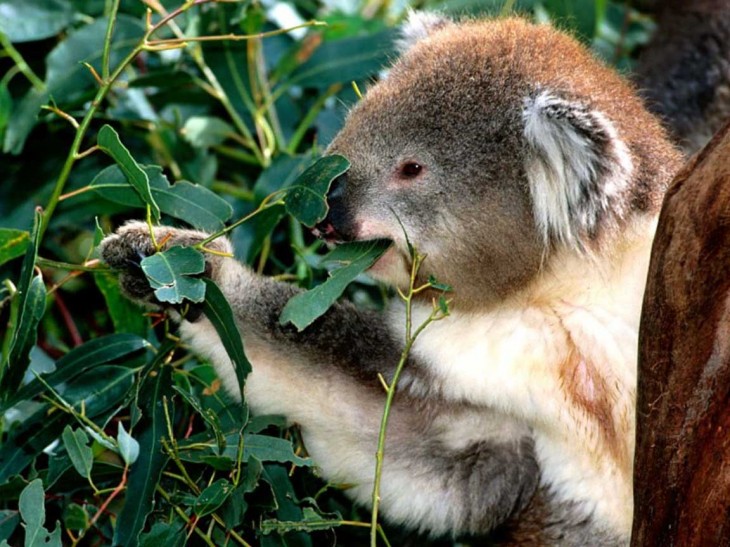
(578, 169)
(418, 26)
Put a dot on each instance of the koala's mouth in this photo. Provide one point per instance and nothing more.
(326, 231)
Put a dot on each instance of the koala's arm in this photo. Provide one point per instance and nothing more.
(440, 475)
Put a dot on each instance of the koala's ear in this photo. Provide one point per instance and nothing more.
(419, 25)
(578, 169)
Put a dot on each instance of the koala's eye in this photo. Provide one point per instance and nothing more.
(410, 170)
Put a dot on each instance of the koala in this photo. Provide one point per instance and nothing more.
(531, 176)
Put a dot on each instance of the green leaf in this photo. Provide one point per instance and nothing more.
(346, 60)
(33, 512)
(305, 307)
(311, 521)
(169, 274)
(6, 107)
(108, 141)
(163, 534)
(93, 353)
(22, 120)
(206, 131)
(29, 290)
(210, 417)
(144, 474)
(77, 446)
(126, 315)
(306, 199)
(9, 521)
(128, 447)
(219, 313)
(212, 497)
(191, 203)
(271, 449)
(27, 20)
(13, 244)
(75, 517)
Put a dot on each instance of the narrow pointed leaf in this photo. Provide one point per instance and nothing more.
(108, 141)
(128, 446)
(93, 353)
(218, 311)
(144, 474)
(306, 199)
(212, 497)
(305, 307)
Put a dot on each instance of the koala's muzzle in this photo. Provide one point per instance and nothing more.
(336, 227)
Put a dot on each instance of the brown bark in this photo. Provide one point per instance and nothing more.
(682, 464)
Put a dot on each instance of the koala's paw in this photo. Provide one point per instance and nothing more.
(125, 249)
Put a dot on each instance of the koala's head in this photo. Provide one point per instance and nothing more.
(493, 144)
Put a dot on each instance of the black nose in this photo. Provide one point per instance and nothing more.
(334, 227)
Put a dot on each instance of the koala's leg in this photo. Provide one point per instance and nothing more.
(446, 470)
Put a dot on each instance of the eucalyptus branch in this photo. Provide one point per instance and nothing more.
(269, 201)
(108, 40)
(437, 313)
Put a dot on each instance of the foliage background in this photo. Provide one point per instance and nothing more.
(111, 432)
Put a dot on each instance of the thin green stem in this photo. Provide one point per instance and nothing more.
(21, 64)
(410, 338)
(266, 203)
(90, 266)
(108, 40)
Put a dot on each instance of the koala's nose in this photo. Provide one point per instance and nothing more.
(333, 227)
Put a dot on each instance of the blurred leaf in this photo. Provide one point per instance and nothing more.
(219, 313)
(6, 107)
(212, 497)
(9, 521)
(579, 16)
(108, 141)
(31, 304)
(13, 244)
(163, 534)
(128, 447)
(27, 20)
(189, 202)
(80, 359)
(22, 120)
(33, 511)
(77, 446)
(356, 257)
(126, 315)
(144, 474)
(206, 131)
(169, 274)
(306, 199)
(346, 60)
(311, 521)
(67, 79)
(75, 517)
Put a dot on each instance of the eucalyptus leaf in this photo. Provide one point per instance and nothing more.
(128, 446)
(356, 257)
(144, 474)
(206, 131)
(212, 497)
(306, 199)
(93, 353)
(192, 203)
(33, 512)
(13, 244)
(169, 274)
(108, 141)
(219, 313)
(345, 60)
(28, 20)
(311, 521)
(78, 449)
